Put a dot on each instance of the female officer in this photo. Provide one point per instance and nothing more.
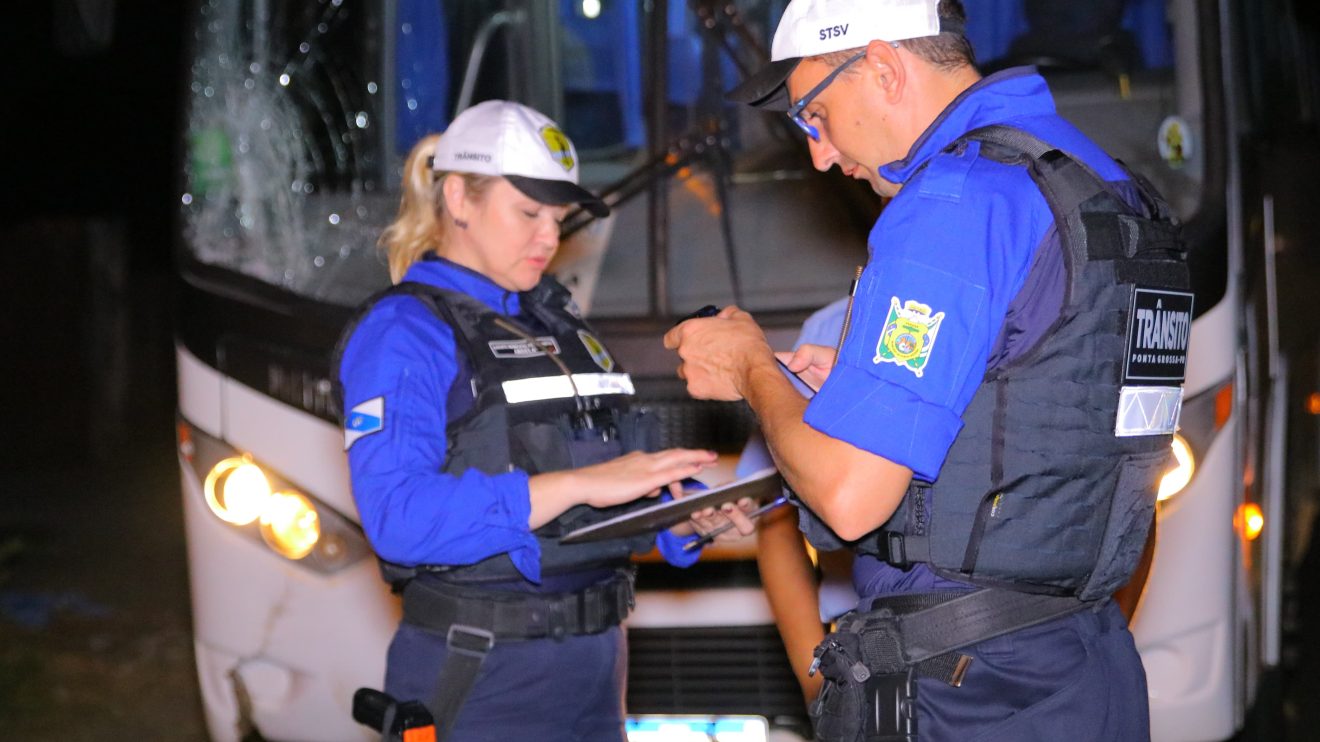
(484, 419)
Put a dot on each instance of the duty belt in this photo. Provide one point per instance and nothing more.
(923, 630)
(436, 607)
(472, 620)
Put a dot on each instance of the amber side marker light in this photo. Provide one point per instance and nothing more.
(1249, 521)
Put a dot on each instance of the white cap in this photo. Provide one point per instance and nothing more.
(812, 27)
(499, 137)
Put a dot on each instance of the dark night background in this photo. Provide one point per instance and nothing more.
(94, 623)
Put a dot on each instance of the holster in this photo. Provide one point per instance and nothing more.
(856, 705)
(872, 659)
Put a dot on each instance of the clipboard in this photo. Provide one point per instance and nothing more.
(761, 486)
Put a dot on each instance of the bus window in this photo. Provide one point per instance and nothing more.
(287, 152)
(1111, 65)
(1132, 75)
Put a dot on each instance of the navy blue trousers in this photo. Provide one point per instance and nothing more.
(538, 689)
(1075, 679)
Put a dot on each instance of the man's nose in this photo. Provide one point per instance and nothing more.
(823, 154)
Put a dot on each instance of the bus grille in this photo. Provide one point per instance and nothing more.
(691, 423)
(719, 670)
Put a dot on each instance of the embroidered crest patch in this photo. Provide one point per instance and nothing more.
(908, 336)
(558, 145)
(597, 350)
(364, 419)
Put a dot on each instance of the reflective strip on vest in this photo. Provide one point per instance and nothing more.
(541, 388)
(1148, 410)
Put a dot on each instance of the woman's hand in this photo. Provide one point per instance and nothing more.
(614, 482)
(707, 520)
(636, 474)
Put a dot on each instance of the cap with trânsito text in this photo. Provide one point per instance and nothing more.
(499, 137)
(812, 27)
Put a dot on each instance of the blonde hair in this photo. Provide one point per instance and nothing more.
(419, 227)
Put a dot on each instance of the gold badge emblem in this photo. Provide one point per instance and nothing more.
(559, 146)
(908, 336)
(597, 350)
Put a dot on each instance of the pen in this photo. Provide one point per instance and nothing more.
(710, 310)
(709, 537)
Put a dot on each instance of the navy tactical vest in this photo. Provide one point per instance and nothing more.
(544, 399)
(1050, 486)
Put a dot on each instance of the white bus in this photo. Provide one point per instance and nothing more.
(299, 116)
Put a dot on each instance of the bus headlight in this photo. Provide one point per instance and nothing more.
(290, 524)
(237, 490)
(1200, 421)
(1180, 475)
(268, 509)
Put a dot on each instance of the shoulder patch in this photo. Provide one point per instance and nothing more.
(364, 419)
(908, 335)
(947, 172)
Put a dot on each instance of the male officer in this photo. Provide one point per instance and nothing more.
(991, 436)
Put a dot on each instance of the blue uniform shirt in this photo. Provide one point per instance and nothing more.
(957, 283)
(403, 361)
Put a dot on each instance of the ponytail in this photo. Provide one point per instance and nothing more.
(420, 226)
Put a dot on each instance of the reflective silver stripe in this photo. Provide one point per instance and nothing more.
(558, 387)
(1148, 410)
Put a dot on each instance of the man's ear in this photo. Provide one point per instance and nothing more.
(455, 194)
(888, 70)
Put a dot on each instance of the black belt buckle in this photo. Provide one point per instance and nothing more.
(893, 707)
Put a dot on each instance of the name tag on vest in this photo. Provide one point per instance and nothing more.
(523, 348)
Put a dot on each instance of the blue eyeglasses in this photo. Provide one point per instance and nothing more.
(795, 111)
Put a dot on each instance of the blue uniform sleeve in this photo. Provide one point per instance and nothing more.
(396, 371)
(947, 256)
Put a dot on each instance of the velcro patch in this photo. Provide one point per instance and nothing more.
(1159, 326)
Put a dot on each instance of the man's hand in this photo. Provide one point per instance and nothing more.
(716, 354)
(811, 363)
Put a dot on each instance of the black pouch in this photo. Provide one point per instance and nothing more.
(856, 705)
(838, 713)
